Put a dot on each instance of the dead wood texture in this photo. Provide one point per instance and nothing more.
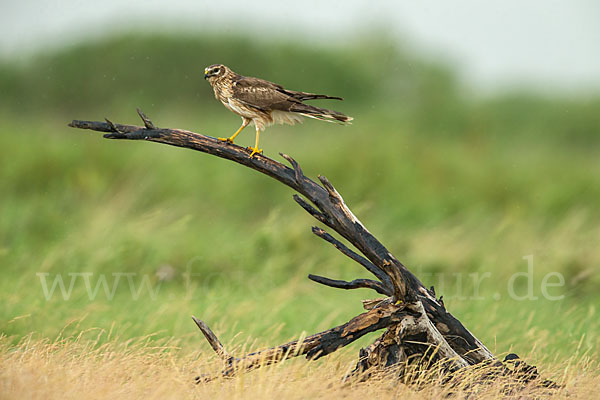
(417, 325)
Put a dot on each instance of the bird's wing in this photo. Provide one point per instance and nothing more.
(263, 95)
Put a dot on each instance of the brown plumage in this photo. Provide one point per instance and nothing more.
(264, 103)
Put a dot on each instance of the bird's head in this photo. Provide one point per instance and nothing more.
(215, 71)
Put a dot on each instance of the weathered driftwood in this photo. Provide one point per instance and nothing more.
(419, 330)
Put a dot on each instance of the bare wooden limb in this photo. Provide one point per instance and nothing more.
(314, 346)
(147, 123)
(297, 170)
(330, 209)
(355, 284)
(336, 198)
(310, 209)
(419, 330)
(356, 257)
(318, 195)
(112, 126)
(211, 338)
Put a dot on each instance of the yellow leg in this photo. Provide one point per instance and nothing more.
(230, 139)
(255, 149)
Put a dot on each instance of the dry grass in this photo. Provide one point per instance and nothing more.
(143, 368)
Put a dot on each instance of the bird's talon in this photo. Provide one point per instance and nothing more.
(254, 151)
(228, 140)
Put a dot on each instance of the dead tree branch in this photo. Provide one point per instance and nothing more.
(418, 326)
(314, 346)
(355, 284)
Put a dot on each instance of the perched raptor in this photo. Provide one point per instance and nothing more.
(264, 103)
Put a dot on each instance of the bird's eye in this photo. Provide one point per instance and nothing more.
(215, 71)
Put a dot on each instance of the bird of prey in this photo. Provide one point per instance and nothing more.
(264, 103)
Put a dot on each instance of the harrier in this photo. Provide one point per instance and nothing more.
(265, 103)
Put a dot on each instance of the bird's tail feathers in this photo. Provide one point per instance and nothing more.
(321, 114)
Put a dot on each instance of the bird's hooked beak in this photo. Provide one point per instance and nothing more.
(205, 73)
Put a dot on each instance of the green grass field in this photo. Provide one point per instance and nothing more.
(460, 188)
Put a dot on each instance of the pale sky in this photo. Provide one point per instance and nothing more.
(545, 44)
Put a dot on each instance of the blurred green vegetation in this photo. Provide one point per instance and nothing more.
(453, 184)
